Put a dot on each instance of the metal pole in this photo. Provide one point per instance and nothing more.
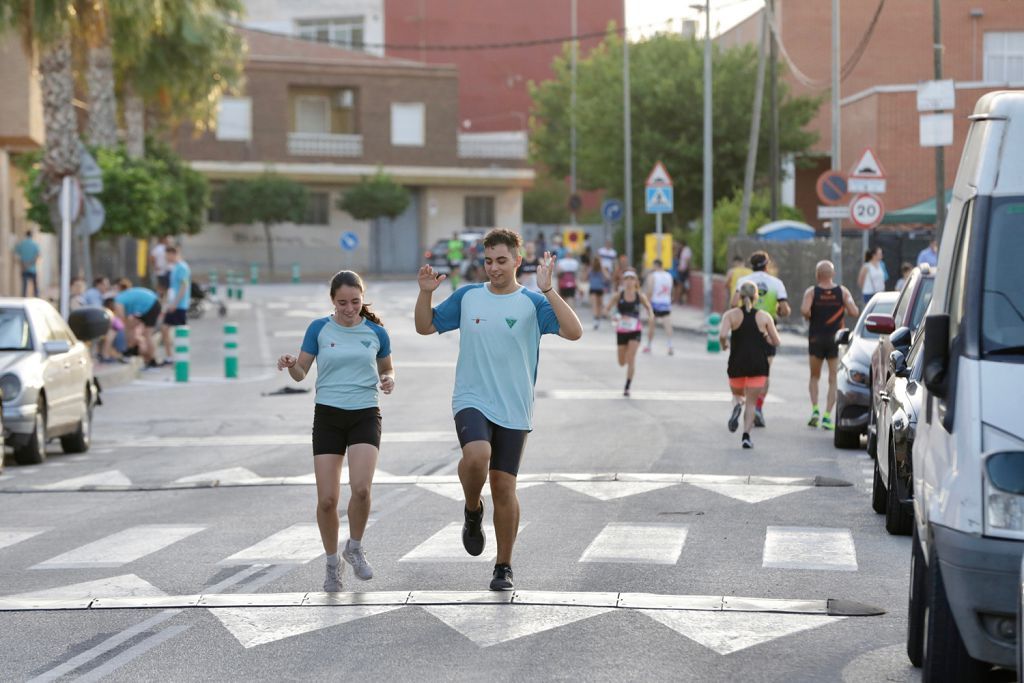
(65, 248)
(708, 202)
(755, 130)
(627, 157)
(837, 223)
(773, 97)
(940, 152)
(572, 115)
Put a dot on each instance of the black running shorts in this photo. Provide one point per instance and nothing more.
(334, 429)
(623, 338)
(822, 347)
(567, 292)
(152, 316)
(506, 444)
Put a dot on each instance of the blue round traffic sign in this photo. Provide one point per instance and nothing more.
(349, 241)
(611, 209)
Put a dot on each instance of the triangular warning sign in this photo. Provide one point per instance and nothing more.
(867, 166)
(659, 176)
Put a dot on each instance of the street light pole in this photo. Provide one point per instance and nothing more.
(708, 202)
(572, 117)
(837, 223)
(940, 152)
(627, 154)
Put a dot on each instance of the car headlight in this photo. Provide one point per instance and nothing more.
(1003, 491)
(856, 375)
(10, 387)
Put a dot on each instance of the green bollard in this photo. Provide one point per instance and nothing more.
(238, 287)
(714, 345)
(296, 273)
(254, 273)
(181, 353)
(231, 351)
(213, 282)
(229, 279)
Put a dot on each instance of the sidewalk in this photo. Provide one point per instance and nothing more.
(111, 375)
(691, 319)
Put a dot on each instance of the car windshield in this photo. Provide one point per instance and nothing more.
(883, 307)
(14, 330)
(1002, 309)
(924, 298)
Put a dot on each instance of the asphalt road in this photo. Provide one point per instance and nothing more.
(204, 489)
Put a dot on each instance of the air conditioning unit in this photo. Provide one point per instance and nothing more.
(346, 99)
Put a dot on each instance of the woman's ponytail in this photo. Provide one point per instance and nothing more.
(748, 295)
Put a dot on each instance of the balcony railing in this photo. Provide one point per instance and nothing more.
(500, 145)
(325, 145)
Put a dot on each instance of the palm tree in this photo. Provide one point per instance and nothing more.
(94, 19)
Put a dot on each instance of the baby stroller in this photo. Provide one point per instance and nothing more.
(201, 298)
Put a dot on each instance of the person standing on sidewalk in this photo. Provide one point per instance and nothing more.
(773, 300)
(871, 278)
(629, 301)
(158, 262)
(598, 281)
(27, 251)
(179, 294)
(353, 360)
(500, 325)
(824, 306)
(659, 292)
(751, 332)
(681, 276)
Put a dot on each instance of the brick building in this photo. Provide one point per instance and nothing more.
(983, 50)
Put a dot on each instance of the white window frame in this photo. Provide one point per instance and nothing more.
(335, 30)
(408, 124)
(319, 100)
(234, 119)
(1000, 57)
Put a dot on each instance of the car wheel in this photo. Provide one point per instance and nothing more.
(842, 438)
(944, 656)
(872, 445)
(916, 603)
(898, 521)
(34, 452)
(878, 492)
(78, 441)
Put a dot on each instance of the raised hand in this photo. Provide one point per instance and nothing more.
(286, 361)
(544, 270)
(428, 279)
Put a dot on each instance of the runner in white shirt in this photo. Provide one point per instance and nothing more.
(659, 290)
(607, 254)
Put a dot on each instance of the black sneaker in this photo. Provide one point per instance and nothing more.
(502, 580)
(758, 418)
(473, 532)
(747, 443)
(734, 419)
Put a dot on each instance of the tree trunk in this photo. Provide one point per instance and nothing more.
(270, 249)
(57, 80)
(134, 123)
(102, 101)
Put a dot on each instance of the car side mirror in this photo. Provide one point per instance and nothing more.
(901, 339)
(935, 354)
(898, 364)
(880, 323)
(56, 347)
(842, 337)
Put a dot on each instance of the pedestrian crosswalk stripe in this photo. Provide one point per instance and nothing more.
(726, 633)
(298, 544)
(230, 474)
(100, 479)
(642, 395)
(454, 490)
(446, 546)
(12, 536)
(610, 490)
(750, 494)
(122, 547)
(83, 593)
(488, 625)
(252, 626)
(809, 548)
(271, 440)
(637, 544)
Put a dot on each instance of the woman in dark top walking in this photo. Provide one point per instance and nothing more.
(748, 329)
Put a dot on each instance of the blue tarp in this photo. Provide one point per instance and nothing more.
(785, 231)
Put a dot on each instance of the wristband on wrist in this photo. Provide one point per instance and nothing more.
(545, 291)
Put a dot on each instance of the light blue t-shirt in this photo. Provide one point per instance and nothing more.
(346, 362)
(137, 300)
(499, 347)
(180, 275)
(27, 252)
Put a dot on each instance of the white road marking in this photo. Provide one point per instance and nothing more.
(229, 475)
(454, 491)
(109, 478)
(140, 648)
(12, 536)
(298, 544)
(637, 544)
(311, 315)
(271, 440)
(260, 625)
(750, 494)
(488, 625)
(289, 334)
(642, 395)
(610, 490)
(122, 547)
(446, 546)
(125, 585)
(729, 632)
(809, 548)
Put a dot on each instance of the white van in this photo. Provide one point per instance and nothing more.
(968, 457)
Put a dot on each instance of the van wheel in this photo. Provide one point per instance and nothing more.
(34, 452)
(842, 438)
(898, 521)
(916, 604)
(944, 657)
(878, 492)
(78, 441)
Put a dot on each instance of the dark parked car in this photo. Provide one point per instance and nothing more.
(896, 332)
(899, 404)
(853, 384)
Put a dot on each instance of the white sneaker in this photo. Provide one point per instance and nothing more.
(332, 578)
(355, 557)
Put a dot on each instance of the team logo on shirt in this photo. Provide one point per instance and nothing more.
(365, 343)
(511, 322)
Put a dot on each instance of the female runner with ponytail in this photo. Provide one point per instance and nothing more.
(353, 360)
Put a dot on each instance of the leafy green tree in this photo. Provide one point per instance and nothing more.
(547, 202)
(667, 114)
(188, 197)
(374, 198)
(267, 199)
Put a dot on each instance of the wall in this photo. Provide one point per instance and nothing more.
(279, 16)
(21, 107)
(444, 210)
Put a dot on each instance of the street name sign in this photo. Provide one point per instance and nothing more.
(828, 213)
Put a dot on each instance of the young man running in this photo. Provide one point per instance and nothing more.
(500, 324)
(659, 291)
(773, 300)
(824, 305)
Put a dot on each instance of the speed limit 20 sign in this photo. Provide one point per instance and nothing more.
(867, 210)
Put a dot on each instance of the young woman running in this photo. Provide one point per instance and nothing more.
(353, 359)
(628, 301)
(598, 281)
(748, 356)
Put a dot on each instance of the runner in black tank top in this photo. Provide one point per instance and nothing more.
(747, 355)
(627, 324)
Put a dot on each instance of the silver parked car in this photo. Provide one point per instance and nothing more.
(46, 381)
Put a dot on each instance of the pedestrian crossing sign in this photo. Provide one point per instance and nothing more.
(659, 199)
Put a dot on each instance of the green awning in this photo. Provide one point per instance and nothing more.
(922, 212)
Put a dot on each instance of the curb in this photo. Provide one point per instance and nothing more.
(114, 375)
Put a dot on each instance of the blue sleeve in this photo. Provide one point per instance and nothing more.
(448, 313)
(311, 343)
(383, 338)
(546, 318)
